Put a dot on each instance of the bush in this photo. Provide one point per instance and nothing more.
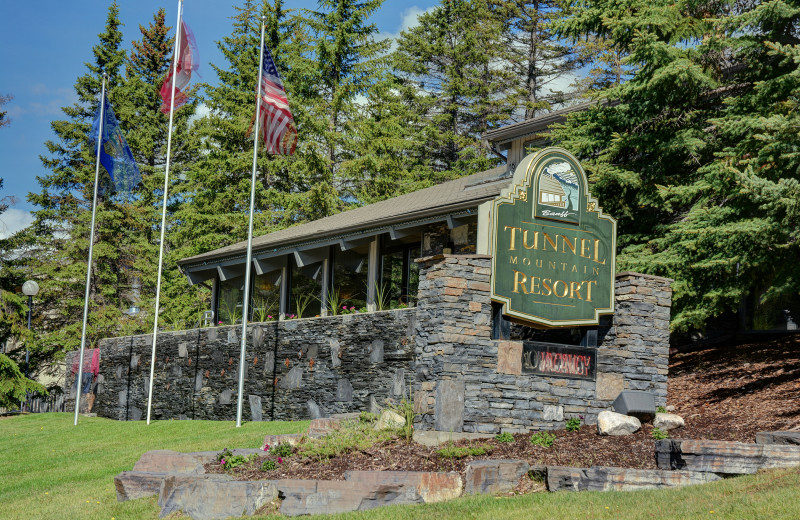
(368, 418)
(283, 449)
(459, 452)
(351, 436)
(661, 409)
(573, 424)
(229, 461)
(659, 434)
(504, 437)
(269, 465)
(543, 439)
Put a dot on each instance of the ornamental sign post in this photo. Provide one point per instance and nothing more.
(554, 250)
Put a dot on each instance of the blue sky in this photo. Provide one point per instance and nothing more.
(44, 46)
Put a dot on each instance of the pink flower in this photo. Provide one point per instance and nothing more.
(269, 317)
(352, 308)
(344, 307)
(280, 460)
(266, 447)
(219, 322)
(222, 462)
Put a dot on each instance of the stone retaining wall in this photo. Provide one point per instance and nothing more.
(441, 353)
(465, 381)
(294, 369)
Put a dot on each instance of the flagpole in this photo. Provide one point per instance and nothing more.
(164, 209)
(249, 264)
(79, 381)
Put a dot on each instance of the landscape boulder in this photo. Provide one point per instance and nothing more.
(429, 486)
(389, 420)
(207, 497)
(668, 421)
(131, 485)
(168, 461)
(724, 457)
(493, 476)
(612, 423)
(600, 478)
(789, 437)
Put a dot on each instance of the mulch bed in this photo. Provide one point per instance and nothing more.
(723, 393)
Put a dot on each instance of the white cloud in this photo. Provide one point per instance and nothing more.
(13, 220)
(56, 99)
(408, 20)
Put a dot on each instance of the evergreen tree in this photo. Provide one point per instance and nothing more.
(538, 57)
(57, 245)
(387, 156)
(14, 386)
(697, 156)
(140, 101)
(218, 188)
(450, 62)
(343, 61)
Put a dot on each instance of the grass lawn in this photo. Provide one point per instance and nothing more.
(50, 469)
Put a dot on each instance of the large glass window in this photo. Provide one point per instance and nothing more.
(349, 284)
(229, 301)
(267, 296)
(306, 290)
(399, 275)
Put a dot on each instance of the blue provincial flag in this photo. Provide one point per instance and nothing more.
(115, 154)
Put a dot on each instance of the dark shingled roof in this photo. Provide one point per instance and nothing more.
(459, 194)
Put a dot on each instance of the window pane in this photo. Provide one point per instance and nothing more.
(267, 296)
(391, 285)
(350, 269)
(230, 301)
(306, 290)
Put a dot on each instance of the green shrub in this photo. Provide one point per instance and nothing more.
(269, 465)
(368, 418)
(230, 461)
(504, 437)
(661, 409)
(543, 439)
(573, 424)
(406, 410)
(459, 452)
(659, 434)
(351, 436)
(283, 449)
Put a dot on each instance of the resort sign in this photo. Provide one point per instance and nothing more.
(553, 248)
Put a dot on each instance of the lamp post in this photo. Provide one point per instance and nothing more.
(29, 289)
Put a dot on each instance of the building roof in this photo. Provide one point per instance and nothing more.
(459, 195)
(505, 134)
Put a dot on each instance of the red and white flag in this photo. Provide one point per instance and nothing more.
(188, 62)
(276, 124)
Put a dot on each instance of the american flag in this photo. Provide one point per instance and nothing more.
(276, 124)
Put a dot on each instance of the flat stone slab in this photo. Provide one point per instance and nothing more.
(790, 437)
(207, 497)
(131, 485)
(168, 461)
(599, 478)
(724, 457)
(494, 476)
(289, 438)
(324, 425)
(430, 486)
(436, 438)
(312, 497)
